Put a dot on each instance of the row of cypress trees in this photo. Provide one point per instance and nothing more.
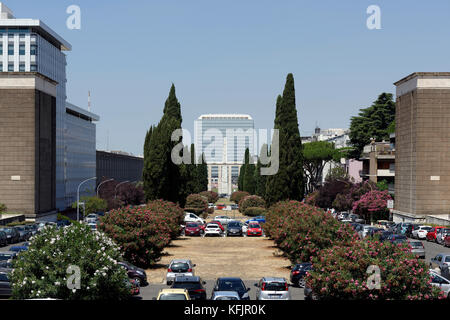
(288, 183)
(162, 178)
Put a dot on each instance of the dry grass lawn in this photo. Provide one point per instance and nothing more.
(244, 257)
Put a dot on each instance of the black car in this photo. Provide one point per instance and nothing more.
(3, 239)
(24, 234)
(234, 228)
(135, 273)
(194, 285)
(385, 235)
(410, 228)
(5, 283)
(298, 274)
(232, 284)
(397, 238)
(6, 258)
(12, 234)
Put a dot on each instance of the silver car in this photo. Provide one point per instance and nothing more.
(225, 295)
(440, 282)
(272, 289)
(179, 268)
(441, 234)
(417, 248)
(440, 260)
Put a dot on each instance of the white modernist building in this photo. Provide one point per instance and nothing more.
(29, 45)
(223, 139)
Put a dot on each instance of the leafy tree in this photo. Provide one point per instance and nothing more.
(92, 204)
(249, 174)
(316, 154)
(288, 183)
(202, 174)
(41, 271)
(337, 173)
(260, 180)
(241, 178)
(3, 208)
(372, 122)
(382, 185)
(196, 203)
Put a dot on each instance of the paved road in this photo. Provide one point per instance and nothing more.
(151, 291)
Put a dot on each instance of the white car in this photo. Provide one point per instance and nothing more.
(190, 217)
(213, 229)
(244, 228)
(223, 219)
(364, 231)
(210, 205)
(421, 232)
(440, 282)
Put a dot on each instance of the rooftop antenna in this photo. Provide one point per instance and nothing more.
(89, 101)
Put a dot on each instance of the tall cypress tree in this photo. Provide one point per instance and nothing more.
(241, 178)
(249, 174)
(161, 175)
(288, 183)
(260, 180)
(202, 174)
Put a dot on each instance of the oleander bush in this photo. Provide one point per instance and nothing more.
(196, 203)
(143, 232)
(251, 201)
(373, 205)
(341, 273)
(302, 231)
(210, 195)
(255, 211)
(238, 195)
(41, 272)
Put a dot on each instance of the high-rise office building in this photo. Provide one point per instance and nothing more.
(223, 139)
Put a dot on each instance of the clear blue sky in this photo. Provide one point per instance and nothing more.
(233, 56)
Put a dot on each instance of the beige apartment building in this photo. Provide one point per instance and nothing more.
(422, 180)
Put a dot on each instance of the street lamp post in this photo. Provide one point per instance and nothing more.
(98, 188)
(115, 191)
(78, 196)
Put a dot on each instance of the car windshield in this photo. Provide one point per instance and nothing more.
(212, 226)
(191, 225)
(234, 225)
(231, 285)
(253, 225)
(179, 267)
(172, 296)
(187, 285)
(275, 286)
(304, 266)
(226, 298)
(447, 259)
(4, 277)
(416, 244)
(5, 256)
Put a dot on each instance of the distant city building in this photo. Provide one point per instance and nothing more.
(422, 181)
(80, 152)
(118, 166)
(223, 139)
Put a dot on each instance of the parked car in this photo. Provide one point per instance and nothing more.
(384, 224)
(234, 228)
(190, 217)
(420, 232)
(24, 234)
(33, 228)
(218, 223)
(374, 231)
(220, 206)
(213, 229)
(178, 268)
(385, 235)
(92, 225)
(440, 260)
(259, 219)
(447, 241)
(232, 284)
(441, 234)
(401, 227)
(210, 205)
(7, 255)
(193, 229)
(3, 239)
(272, 289)
(298, 273)
(397, 238)
(173, 294)
(254, 229)
(133, 286)
(417, 248)
(410, 228)
(135, 273)
(18, 249)
(364, 230)
(5, 283)
(442, 283)
(12, 234)
(431, 235)
(223, 219)
(194, 285)
(234, 206)
(308, 293)
(225, 295)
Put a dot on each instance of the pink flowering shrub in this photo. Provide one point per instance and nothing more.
(373, 205)
(302, 231)
(143, 232)
(340, 272)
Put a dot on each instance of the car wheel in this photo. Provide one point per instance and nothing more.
(138, 281)
(301, 282)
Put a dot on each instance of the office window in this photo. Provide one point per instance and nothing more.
(22, 67)
(1, 67)
(11, 49)
(1, 49)
(33, 67)
(10, 35)
(22, 50)
(33, 49)
(22, 35)
(10, 67)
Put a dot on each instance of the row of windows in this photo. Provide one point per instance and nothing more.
(33, 67)
(33, 49)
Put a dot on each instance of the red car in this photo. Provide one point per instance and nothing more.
(447, 241)
(220, 206)
(193, 229)
(431, 235)
(218, 223)
(254, 229)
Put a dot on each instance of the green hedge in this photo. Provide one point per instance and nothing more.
(255, 211)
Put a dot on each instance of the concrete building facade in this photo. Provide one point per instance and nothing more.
(422, 181)
(118, 166)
